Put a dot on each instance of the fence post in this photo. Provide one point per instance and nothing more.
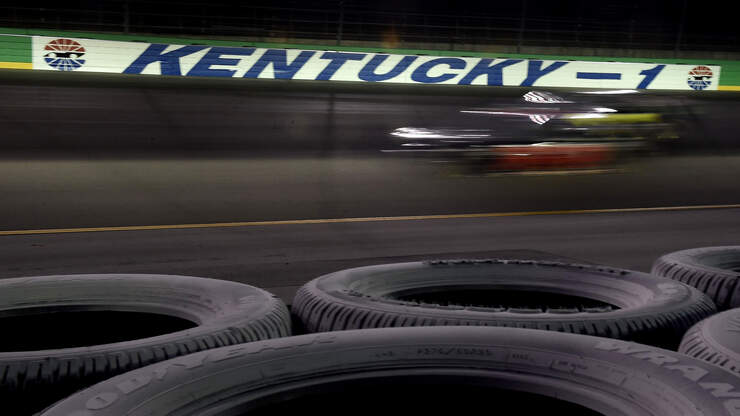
(457, 33)
(341, 22)
(680, 30)
(126, 17)
(520, 39)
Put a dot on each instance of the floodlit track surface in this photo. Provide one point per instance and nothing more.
(280, 258)
(82, 150)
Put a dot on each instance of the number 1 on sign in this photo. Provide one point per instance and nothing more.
(650, 75)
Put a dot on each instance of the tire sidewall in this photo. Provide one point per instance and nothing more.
(625, 375)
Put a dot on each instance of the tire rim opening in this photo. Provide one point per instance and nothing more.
(501, 299)
(427, 395)
(731, 265)
(42, 329)
(723, 260)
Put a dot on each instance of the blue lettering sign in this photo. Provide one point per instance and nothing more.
(367, 73)
(170, 61)
(535, 71)
(598, 75)
(493, 72)
(278, 58)
(337, 60)
(650, 75)
(421, 73)
(213, 57)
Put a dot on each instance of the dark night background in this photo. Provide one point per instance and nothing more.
(634, 24)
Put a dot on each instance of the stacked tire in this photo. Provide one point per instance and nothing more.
(430, 337)
(713, 270)
(574, 298)
(219, 313)
(716, 340)
(425, 370)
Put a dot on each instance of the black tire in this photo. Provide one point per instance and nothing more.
(713, 270)
(651, 310)
(716, 340)
(362, 371)
(223, 312)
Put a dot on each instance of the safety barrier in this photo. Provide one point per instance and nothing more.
(79, 54)
(15, 52)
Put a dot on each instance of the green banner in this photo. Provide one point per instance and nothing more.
(15, 49)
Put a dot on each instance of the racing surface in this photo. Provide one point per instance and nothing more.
(83, 150)
(280, 258)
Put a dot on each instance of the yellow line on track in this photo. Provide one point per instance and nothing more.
(16, 65)
(729, 87)
(362, 219)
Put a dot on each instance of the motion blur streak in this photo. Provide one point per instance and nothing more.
(83, 152)
(87, 151)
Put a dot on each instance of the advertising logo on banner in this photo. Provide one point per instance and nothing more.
(64, 54)
(700, 77)
(272, 63)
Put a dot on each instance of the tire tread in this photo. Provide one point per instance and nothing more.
(695, 345)
(321, 313)
(721, 287)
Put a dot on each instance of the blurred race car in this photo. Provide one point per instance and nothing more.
(545, 131)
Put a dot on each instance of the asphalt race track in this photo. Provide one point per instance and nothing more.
(280, 258)
(82, 150)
